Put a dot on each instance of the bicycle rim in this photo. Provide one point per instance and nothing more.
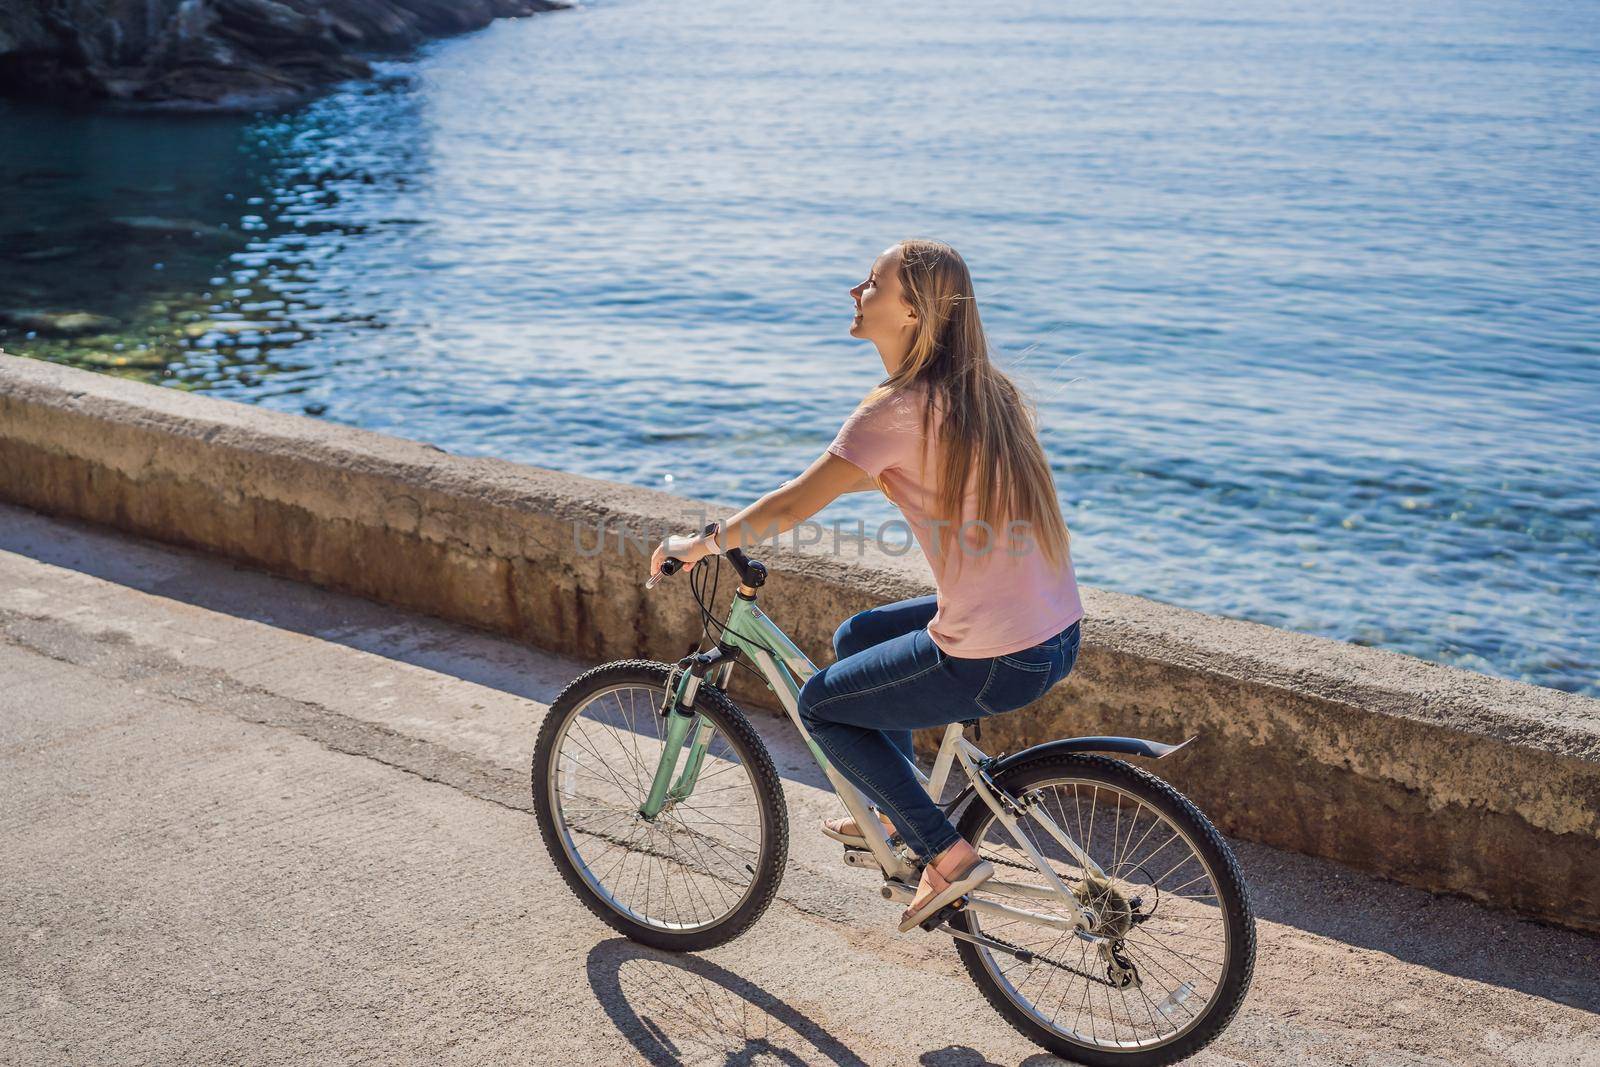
(1159, 902)
(694, 864)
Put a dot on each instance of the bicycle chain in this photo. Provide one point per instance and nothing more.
(1039, 955)
(1054, 963)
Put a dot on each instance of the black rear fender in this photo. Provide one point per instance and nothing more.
(1121, 746)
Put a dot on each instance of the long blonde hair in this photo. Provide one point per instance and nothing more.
(989, 431)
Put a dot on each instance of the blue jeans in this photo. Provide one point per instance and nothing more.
(889, 678)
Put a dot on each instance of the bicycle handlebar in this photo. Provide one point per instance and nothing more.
(751, 571)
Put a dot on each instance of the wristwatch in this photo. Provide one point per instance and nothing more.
(717, 532)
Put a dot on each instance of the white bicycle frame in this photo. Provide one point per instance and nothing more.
(753, 633)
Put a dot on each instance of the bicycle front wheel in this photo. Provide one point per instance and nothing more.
(1171, 949)
(706, 866)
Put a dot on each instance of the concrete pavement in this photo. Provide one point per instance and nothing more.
(244, 820)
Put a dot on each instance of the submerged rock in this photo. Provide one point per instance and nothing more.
(43, 255)
(58, 323)
(155, 225)
(217, 54)
(33, 178)
(229, 326)
(146, 358)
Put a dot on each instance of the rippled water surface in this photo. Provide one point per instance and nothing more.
(1306, 297)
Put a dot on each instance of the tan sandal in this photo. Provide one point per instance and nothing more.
(943, 891)
(847, 831)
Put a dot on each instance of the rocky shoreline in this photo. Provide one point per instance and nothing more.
(217, 54)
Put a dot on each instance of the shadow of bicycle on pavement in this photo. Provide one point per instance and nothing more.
(683, 1009)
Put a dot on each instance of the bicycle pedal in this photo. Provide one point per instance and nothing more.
(940, 917)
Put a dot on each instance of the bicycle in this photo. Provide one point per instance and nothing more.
(662, 810)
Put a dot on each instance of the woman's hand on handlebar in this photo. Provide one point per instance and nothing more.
(686, 549)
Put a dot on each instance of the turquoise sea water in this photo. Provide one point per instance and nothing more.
(1306, 298)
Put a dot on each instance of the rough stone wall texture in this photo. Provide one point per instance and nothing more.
(1439, 777)
(217, 53)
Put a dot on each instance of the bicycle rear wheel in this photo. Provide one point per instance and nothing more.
(703, 869)
(1172, 909)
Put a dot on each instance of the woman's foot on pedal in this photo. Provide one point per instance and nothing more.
(952, 874)
(847, 831)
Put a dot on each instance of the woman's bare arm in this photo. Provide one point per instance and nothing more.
(792, 502)
(862, 486)
(775, 513)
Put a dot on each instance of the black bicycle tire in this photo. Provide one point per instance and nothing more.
(1016, 780)
(715, 705)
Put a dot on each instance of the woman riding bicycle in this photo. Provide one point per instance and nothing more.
(951, 442)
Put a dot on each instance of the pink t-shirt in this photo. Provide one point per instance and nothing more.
(994, 602)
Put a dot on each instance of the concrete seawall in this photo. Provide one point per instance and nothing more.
(1434, 776)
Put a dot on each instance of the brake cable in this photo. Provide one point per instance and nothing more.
(708, 615)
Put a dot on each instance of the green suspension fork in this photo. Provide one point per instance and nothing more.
(697, 756)
(680, 722)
